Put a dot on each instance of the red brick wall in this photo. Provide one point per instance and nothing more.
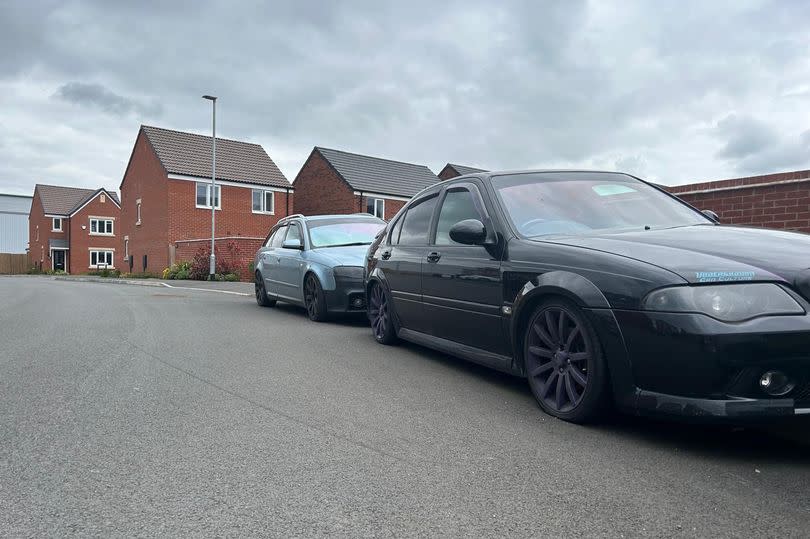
(39, 250)
(319, 190)
(145, 179)
(774, 201)
(391, 206)
(81, 241)
(238, 252)
(236, 218)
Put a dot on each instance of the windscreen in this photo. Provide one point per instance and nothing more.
(342, 232)
(563, 203)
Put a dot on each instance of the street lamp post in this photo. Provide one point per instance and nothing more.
(213, 261)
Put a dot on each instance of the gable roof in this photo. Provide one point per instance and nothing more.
(463, 169)
(189, 154)
(60, 200)
(376, 175)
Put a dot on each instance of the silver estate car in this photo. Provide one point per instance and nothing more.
(316, 262)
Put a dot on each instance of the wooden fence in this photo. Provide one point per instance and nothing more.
(13, 264)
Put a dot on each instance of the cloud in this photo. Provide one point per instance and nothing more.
(677, 92)
(96, 95)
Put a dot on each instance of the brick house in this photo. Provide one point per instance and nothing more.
(166, 199)
(780, 200)
(451, 170)
(333, 181)
(72, 229)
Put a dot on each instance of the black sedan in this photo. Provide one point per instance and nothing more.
(600, 289)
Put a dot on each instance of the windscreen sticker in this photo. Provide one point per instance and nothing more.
(718, 276)
(607, 189)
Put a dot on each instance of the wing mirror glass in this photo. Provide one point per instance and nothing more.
(469, 232)
(292, 244)
(711, 215)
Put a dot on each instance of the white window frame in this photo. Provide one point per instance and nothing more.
(111, 264)
(126, 248)
(379, 203)
(138, 211)
(104, 220)
(53, 224)
(37, 233)
(264, 210)
(207, 205)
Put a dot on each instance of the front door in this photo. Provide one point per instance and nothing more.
(288, 273)
(461, 284)
(58, 260)
(401, 261)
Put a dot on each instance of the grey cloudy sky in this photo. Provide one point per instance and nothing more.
(673, 91)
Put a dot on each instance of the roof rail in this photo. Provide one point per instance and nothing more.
(292, 216)
(364, 213)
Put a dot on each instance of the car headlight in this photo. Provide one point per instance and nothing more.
(729, 302)
(350, 272)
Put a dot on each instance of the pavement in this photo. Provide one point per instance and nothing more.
(137, 410)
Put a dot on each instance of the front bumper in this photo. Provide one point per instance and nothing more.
(348, 296)
(695, 366)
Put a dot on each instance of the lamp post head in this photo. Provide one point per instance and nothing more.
(209, 97)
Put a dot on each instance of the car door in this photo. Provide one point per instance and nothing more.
(401, 260)
(462, 287)
(290, 263)
(268, 260)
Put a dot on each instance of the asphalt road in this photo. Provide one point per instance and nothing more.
(128, 410)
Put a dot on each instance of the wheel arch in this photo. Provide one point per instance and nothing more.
(563, 284)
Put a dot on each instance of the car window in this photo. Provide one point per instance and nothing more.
(416, 223)
(393, 239)
(278, 237)
(294, 233)
(458, 205)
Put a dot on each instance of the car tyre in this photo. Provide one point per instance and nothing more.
(381, 315)
(262, 299)
(565, 365)
(314, 299)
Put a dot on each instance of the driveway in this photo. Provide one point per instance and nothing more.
(128, 410)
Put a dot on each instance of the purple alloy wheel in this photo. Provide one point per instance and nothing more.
(378, 309)
(557, 358)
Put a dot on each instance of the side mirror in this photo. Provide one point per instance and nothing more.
(469, 232)
(711, 215)
(292, 244)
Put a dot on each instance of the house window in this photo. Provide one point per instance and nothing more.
(57, 224)
(37, 232)
(126, 248)
(204, 196)
(102, 198)
(101, 258)
(101, 227)
(263, 201)
(138, 211)
(376, 207)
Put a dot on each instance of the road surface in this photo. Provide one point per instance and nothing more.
(129, 410)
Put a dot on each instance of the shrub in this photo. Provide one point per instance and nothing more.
(35, 270)
(179, 270)
(230, 277)
(200, 265)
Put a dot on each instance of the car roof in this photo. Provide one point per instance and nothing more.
(490, 173)
(309, 218)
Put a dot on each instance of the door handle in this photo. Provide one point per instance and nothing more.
(385, 255)
(433, 257)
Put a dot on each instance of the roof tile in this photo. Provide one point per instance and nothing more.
(376, 175)
(189, 154)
